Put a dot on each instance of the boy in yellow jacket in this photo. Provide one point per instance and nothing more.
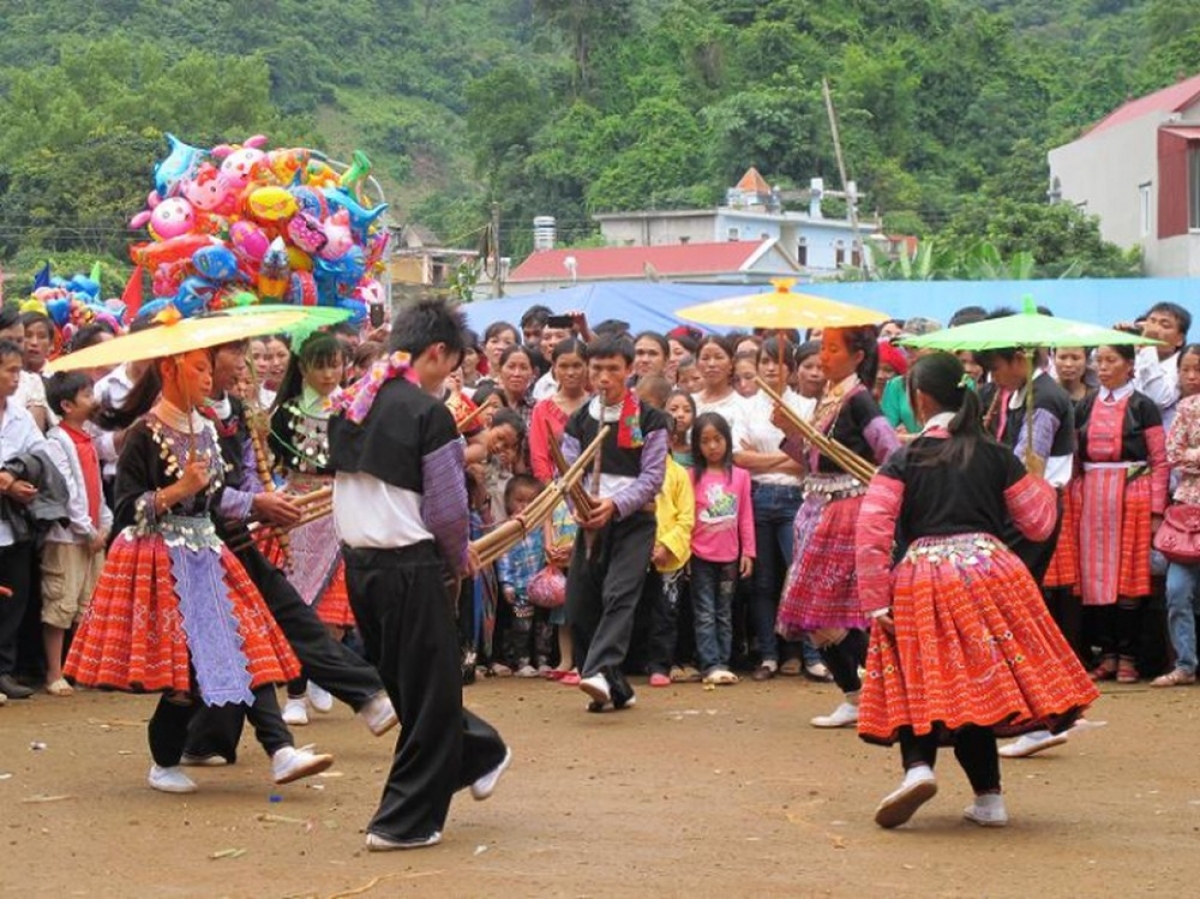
(675, 510)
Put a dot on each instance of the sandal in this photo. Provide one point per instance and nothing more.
(791, 668)
(1176, 678)
(1127, 672)
(1106, 670)
(60, 687)
(721, 678)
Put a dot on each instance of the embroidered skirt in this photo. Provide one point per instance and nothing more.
(1114, 536)
(1064, 564)
(821, 590)
(974, 644)
(165, 606)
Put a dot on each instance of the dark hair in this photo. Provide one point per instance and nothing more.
(609, 346)
(686, 361)
(746, 356)
(770, 349)
(713, 420)
(513, 351)
(536, 315)
(611, 327)
(657, 338)
(806, 349)
(987, 359)
(517, 482)
(1182, 317)
(285, 339)
(319, 349)
(141, 397)
(34, 317)
(8, 348)
(9, 316)
(512, 418)
(89, 335)
(346, 328)
(418, 327)
(495, 329)
(1126, 351)
(679, 391)
(863, 338)
(63, 387)
(572, 345)
(967, 315)
(942, 378)
(685, 340)
(720, 342)
(898, 322)
(1186, 350)
(656, 389)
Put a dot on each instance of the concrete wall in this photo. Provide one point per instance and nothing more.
(1174, 257)
(659, 230)
(1103, 172)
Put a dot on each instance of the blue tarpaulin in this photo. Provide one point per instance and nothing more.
(651, 305)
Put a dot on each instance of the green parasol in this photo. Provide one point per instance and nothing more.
(1027, 329)
(313, 318)
(1024, 330)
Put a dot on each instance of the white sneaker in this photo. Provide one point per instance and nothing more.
(379, 714)
(203, 761)
(295, 712)
(1031, 744)
(170, 780)
(845, 715)
(289, 763)
(987, 811)
(899, 806)
(485, 786)
(379, 843)
(3, 698)
(319, 698)
(597, 688)
(526, 671)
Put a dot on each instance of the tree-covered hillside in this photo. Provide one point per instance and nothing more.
(567, 107)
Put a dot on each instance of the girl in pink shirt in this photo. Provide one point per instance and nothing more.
(722, 543)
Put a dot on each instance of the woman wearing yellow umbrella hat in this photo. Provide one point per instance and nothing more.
(174, 612)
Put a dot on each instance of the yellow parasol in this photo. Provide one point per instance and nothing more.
(781, 309)
(174, 336)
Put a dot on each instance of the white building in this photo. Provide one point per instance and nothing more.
(1138, 169)
(753, 213)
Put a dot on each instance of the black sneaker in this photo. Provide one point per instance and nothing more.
(13, 690)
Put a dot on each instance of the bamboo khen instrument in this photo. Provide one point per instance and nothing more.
(255, 415)
(577, 492)
(848, 460)
(493, 545)
(313, 506)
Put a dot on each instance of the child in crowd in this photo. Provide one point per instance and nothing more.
(73, 555)
(527, 635)
(560, 533)
(682, 409)
(676, 515)
(689, 377)
(723, 546)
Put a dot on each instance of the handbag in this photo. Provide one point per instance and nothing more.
(1178, 536)
(548, 588)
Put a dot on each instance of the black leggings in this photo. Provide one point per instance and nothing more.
(1116, 628)
(974, 747)
(844, 658)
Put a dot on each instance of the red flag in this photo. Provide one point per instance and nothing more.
(131, 296)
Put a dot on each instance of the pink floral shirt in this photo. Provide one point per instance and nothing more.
(1183, 450)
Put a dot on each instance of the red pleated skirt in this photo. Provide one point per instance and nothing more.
(973, 644)
(1064, 564)
(333, 606)
(821, 589)
(132, 636)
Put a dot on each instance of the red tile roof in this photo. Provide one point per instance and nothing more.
(754, 182)
(1170, 99)
(630, 262)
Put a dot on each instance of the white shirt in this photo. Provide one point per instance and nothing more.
(19, 434)
(735, 409)
(1158, 379)
(763, 437)
(371, 514)
(545, 387)
(111, 391)
(31, 391)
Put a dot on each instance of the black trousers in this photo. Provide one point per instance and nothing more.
(974, 747)
(16, 573)
(603, 590)
(170, 725)
(217, 731)
(407, 624)
(844, 658)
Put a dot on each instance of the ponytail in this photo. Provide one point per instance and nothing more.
(942, 378)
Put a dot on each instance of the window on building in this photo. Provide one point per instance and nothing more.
(1194, 189)
(732, 234)
(802, 252)
(764, 236)
(1144, 209)
(856, 258)
(839, 254)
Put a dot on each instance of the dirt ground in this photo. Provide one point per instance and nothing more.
(693, 793)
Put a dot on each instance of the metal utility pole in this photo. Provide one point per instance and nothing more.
(851, 198)
(497, 281)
